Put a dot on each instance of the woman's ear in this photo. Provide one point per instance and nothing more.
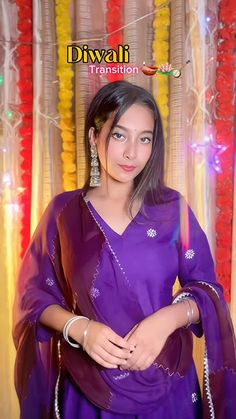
(92, 136)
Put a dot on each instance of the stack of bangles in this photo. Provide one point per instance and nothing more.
(190, 311)
(67, 327)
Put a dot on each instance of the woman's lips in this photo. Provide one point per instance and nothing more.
(127, 168)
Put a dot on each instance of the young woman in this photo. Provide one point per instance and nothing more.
(97, 329)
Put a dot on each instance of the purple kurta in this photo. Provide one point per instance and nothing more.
(118, 280)
(139, 252)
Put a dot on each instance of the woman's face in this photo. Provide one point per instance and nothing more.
(130, 143)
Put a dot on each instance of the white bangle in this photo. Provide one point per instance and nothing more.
(86, 333)
(67, 327)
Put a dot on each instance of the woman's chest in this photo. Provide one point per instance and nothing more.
(138, 272)
(116, 216)
(146, 254)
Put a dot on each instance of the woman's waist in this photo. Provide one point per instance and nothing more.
(120, 391)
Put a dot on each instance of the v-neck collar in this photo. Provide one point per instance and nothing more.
(92, 208)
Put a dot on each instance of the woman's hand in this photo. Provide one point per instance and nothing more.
(105, 346)
(148, 337)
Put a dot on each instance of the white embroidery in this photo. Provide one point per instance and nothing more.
(207, 386)
(94, 292)
(167, 370)
(181, 297)
(121, 376)
(151, 232)
(189, 254)
(50, 282)
(209, 285)
(56, 391)
(194, 397)
(110, 247)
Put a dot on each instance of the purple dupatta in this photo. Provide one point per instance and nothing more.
(66, 247)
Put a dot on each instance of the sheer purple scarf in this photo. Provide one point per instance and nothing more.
(65, 252)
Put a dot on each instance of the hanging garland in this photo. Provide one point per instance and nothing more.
(25, 86)
(65, 75)
(224, 123)
(161, 25)
(115, 20)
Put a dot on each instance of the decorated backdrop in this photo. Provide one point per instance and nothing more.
(54, 56)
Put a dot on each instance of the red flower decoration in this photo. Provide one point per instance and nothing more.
(25, 13)
(224, 125)
(25, 86)
(115, 20)
(24, 3)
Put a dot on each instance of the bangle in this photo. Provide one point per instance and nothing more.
(85, 333)
(67, 327)
(190, 312)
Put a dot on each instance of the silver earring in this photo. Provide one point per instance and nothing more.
(95, 179)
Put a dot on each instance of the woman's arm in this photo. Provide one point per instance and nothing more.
(179, 314)
(55, 317)
(102, 343)
(150, 335)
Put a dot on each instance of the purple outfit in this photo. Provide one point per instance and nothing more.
(76, 260)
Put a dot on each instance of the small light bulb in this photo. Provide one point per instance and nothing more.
(9, 114)
(14, 207)
(6, 179)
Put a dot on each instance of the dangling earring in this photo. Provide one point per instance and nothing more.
(95, 179)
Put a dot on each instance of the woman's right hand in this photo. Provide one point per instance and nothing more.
(105, 346)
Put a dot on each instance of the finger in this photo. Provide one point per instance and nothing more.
(118, 340)
(143, 364)
(102, 362)
(140, 365)
(133, 342)
(131, 361)
(110, 358)
(130, 332)
(115, 351)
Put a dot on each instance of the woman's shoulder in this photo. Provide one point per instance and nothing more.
(166, 206)
(59, 202)
(163, 196)
(64, 198)
(169, 195)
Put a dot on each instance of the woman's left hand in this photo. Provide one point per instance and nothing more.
(148, 337)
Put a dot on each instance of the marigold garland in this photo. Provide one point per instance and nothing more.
(161, 25)
(115, 20)
(224, 124)
(65, 75)
(25, 64)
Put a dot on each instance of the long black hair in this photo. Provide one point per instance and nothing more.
(117, 97)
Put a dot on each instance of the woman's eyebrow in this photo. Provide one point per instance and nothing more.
(126, 129)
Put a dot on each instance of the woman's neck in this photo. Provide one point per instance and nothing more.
(113, 190)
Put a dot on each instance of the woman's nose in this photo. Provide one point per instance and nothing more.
(130, 151)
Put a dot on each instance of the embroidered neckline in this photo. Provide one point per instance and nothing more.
(89, 203)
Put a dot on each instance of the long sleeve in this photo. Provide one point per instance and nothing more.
(40, 283)
(196, 264)
(195, 259)
(198, 280)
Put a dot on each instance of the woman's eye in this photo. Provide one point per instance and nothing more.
(118, 136)
(145, 140)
